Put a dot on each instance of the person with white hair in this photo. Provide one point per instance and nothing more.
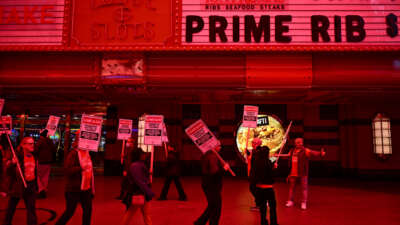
(299, 163)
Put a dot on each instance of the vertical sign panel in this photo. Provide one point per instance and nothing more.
(124, 129)
(90, 134)
(202, 136)
(153, 130)
(52, 124)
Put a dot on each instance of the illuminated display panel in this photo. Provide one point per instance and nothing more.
(382, 135)
(269, 130)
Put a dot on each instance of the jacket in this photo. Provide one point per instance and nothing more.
(212, 170)
(45, 149)
(15, 185)
(302, 163)
(128, 158)
(73, 172)
(261, 171)
(139, 181)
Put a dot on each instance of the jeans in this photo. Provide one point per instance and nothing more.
(214, 205)
(252, 188)
(29, 196)
(130, 212)
(264, 195)
(71, 200)
(304, 187)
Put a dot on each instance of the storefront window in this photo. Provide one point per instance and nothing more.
(382, 137)
(145, 148)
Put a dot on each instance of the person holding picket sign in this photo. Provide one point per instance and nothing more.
(298, 163)
(126, 161)
(252, 187)
(212, 170)
(261, 178)
(79, 184)
(4, 152)
(139, 192)
(45, 151)
(17, 189)
(173, 171)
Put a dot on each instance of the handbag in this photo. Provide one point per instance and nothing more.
(138, 200)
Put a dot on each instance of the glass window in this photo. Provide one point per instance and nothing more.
(382, 137)
(145, 148)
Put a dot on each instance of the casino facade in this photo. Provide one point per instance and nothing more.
(331, 67)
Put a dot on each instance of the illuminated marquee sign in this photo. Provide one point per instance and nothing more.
(290, 22)
(31, 22)
(122, 22)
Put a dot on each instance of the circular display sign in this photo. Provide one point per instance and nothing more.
(269, 129)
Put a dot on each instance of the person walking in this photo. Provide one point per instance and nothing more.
(45, 151)
(139, 193)
(173, 171)
(28, 164)
(261, 176)
(4, 155)
(126, 161)
(211, 183)
(79, 186)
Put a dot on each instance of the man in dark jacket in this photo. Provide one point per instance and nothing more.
(212, 170)
(28, 164)
(44, 149)
(173, 171)
(126, 160)
(261, 178)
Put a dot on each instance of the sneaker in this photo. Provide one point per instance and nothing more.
(303, 206)
(161, 199)
(289, 204)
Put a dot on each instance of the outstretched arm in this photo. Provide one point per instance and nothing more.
(313, 153)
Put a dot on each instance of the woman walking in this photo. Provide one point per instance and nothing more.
(139, 192)
(79, 184)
